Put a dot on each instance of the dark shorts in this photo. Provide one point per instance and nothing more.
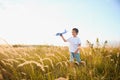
(75, 56)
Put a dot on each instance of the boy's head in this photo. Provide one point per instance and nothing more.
(75, 32)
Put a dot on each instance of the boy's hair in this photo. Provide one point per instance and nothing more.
(76, 30)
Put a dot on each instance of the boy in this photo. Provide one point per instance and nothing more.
(74, 47)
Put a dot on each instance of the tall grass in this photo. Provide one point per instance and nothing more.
(52, 63)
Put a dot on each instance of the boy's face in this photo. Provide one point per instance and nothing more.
(74, 33)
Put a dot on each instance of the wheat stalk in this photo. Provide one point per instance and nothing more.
(48, 59)
(59, 63)
(32, 62)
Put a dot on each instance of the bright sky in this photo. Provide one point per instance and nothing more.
(37, 21)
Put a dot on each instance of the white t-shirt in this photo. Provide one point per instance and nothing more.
(74, 42)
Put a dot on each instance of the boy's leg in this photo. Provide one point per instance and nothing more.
(77, 56)
(71, 59)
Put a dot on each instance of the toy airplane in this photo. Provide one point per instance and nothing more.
(58, 34)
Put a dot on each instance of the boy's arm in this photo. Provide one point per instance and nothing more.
(63, 38)
(77, 49)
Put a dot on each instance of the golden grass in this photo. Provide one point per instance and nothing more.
(52, 63)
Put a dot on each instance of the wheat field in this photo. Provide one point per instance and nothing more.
(52, 63)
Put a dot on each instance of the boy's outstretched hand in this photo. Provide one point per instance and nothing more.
(63, 38)
(61, 35)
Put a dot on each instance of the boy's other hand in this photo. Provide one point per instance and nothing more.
(76, 52)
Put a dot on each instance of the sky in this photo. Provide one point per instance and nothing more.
(37, 21)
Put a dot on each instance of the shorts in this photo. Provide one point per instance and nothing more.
(75, 56)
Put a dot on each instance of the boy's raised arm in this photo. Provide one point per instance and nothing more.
(63, 38)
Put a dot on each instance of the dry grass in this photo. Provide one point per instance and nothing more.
(52, 63)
